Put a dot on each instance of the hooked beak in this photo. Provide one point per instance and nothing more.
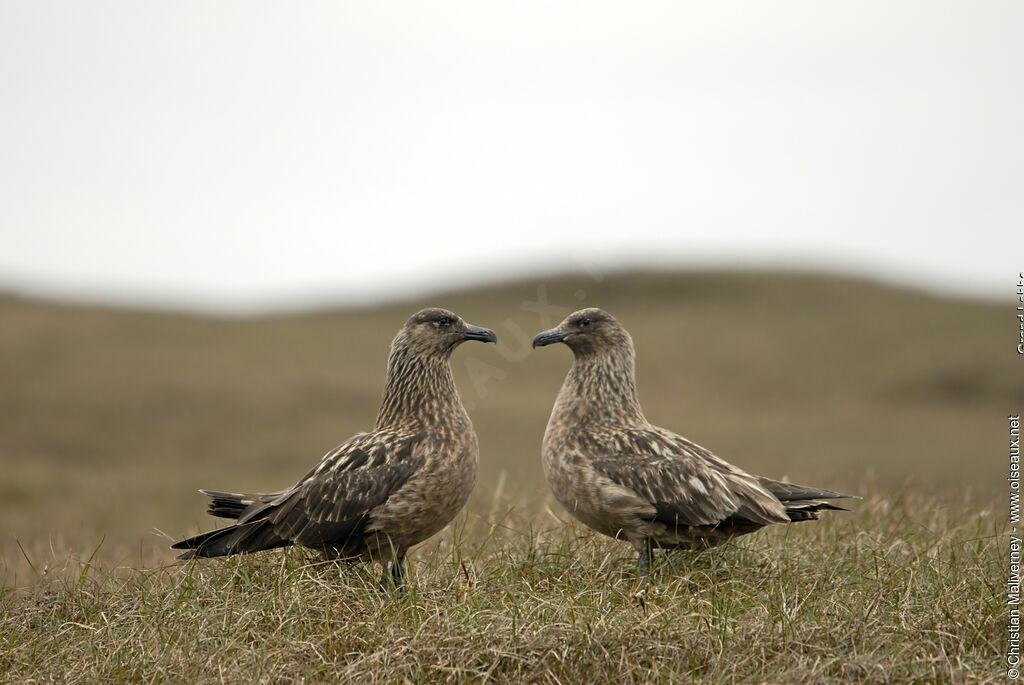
(478, 333)
(548, 337)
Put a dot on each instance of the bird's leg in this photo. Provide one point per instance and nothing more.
(644, 556)
(398, 572)
(396, 578)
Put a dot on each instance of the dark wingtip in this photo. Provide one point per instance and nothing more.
(838, 495)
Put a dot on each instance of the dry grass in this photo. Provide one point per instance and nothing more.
(896, 592)
(109, 420)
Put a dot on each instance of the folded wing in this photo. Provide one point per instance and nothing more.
(329, 508)
(689, 486)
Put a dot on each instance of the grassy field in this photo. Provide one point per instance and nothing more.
(110, 420)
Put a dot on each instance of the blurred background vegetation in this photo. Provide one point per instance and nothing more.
(110, 419)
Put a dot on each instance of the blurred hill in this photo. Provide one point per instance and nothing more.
(110, 419)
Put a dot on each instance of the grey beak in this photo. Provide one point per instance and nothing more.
(477, 333)
(548, 337)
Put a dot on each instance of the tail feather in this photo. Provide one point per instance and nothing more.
(807, 510)
(234, 505)
(803, 503)
(242, 538)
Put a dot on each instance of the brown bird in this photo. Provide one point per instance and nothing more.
(628, 479)
(379, 493)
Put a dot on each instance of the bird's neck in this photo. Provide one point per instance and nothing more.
(419, 389)
(600, 389)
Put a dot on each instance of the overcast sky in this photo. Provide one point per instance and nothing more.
(221, 155)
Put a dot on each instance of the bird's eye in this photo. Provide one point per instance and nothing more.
(584, 322)
(444, 321)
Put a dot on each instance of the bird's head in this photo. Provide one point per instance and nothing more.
(440, 331)
(587, 331)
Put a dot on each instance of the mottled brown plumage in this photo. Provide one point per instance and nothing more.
(379, 493)
(626, 478)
